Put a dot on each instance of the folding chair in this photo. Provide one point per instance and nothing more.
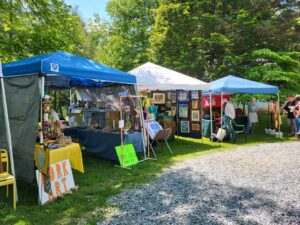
(235, 129)
(162, 135)
(5, 178)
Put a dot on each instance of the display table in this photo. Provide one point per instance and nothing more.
(102, 144)
(44, 157)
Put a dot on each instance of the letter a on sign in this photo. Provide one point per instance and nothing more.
(61, 180)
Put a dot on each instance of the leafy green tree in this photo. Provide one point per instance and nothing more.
(32, 27)
(217, 37)
(278, 68)
(124, 40)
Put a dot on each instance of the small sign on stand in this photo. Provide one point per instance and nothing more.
(126, 155)
(58, 181)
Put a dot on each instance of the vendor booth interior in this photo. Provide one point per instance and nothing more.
(176, 96)
(224, 88)
(29, 126)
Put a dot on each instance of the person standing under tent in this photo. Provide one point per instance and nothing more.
(252, 115)
(152, 110)
(275, 114)
(289, 107)
(229, 109)
(297, 114)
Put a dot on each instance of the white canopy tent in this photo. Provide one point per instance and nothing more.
(154, 77)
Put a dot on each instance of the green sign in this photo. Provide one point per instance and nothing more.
(126, 155)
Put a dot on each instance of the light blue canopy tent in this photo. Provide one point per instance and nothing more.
(233, 84)
(64, 70)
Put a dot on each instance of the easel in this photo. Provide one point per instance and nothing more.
(143, 129)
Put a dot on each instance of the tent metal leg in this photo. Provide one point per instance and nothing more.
(8, 132)
(221, 113)
(210, 112)
(279, 118)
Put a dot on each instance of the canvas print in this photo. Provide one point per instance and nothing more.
(173, 110)
(196, 127)
(194, 95)
(168, 104)
(182, 96)
(183, 110)
(162, 108)
(185, 127)
(160, 98)
(169, 95)
(194, 104)
(173, 96)
(195, 115)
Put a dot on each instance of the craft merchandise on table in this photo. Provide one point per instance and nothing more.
(53, 146)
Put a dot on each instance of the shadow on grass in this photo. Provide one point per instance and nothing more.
(185, 197)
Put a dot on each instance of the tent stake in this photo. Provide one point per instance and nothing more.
(8, 133)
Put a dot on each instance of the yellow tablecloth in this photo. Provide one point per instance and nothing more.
(71, 152)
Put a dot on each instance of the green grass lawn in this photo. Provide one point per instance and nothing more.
(102, 180)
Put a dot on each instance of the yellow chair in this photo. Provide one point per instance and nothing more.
(5, 178)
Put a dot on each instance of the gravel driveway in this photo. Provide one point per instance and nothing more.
(250, 185)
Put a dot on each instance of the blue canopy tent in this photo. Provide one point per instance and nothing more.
(59, 70)
(64, 70)
(233, 84)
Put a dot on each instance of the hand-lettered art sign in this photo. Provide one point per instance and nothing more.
(126, 155)
(58, 181)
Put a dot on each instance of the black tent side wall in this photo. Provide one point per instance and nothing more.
(23, 99)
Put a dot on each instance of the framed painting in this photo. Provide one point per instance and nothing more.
(194, 104)
(185, 127)
(194, 95)
(173, 97)
(169, 95)
(162, 108)
(195, 115)
(183, 110)
(196, 127)
(168, 103)
(160, 98)
(173, 110)
(183, 96)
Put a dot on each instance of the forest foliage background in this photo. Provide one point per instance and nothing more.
(207, 39)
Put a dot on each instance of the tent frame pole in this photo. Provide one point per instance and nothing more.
(221, 114)
(210, 112)
(279, 119)
(8, 131)
(41, 109)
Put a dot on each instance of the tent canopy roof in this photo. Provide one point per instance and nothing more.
(233, 84)
(153, 77)
(66, 70)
